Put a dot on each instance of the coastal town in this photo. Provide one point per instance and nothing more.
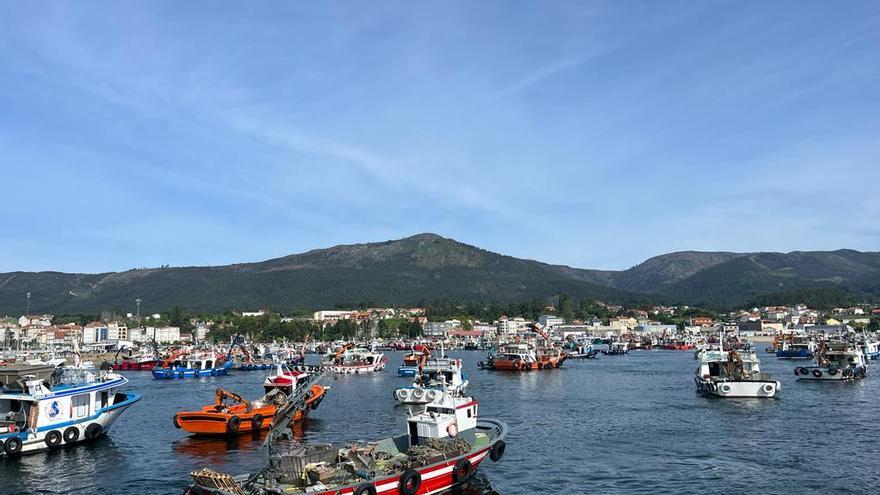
(43, 332)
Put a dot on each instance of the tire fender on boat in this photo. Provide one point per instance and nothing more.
(257, 421)
(176, 422)
(233, 424)
(168, 373)
(196, 373)
(832, 371)
(410, 482)
(12, 446)
(768, 388)
(93, 431)
(724, 388)
(497, 451)
(817, 373)
(71, 434)
(53, 438)
(365, 489)
(462, 471)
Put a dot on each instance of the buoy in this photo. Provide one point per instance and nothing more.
(452, 430)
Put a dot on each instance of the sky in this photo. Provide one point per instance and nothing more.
(592, 134)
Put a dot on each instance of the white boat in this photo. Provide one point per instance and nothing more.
(438, 377)
(733, 374)
(354, 360)
(871, 349)
(43, 407)
(835, 361)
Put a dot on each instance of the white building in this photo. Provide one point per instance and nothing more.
(253, 314)
(117, 331)
(94, 332)
(163, 335)
(136, 334)
(35, 320)
(329, 315)
(439, 329)
(510, 326)
(550, 320)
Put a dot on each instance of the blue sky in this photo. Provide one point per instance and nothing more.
(591, 134)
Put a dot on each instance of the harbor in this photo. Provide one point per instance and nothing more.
(635, 419)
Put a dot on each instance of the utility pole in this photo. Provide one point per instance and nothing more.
(28, 312)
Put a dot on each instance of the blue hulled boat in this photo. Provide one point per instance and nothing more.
(192, 368)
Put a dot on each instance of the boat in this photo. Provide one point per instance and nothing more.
(232, 415)
(733, 374)
(412, 360)
(287, 378)
(618, 348)
(581, 350)
(440, 449)
(523, 357)
(870, 348)
(47, 407)
(354, 360)
(796, 348)
(438, 376)
(140, 362)
(835, 361)
(192, 367)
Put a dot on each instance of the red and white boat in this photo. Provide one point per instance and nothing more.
(441, 449)
(285, 378)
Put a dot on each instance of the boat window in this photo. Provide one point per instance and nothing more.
(104, 398)
(81, 405)
(197, 365)
(209, 364)
(714, 369)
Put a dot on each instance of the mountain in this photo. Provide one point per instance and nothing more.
(424, 267)
(427, 267)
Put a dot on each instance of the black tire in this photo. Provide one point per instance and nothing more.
(800, 371)
(233, 424)
(176, 422)
(832, 371)
(12, 446)
(409, 482)
(93, 431)
(365, 489)
(817, 373)
(257, 422)
(462, 471)
(71, 434)
(53, 439)
(497, 451)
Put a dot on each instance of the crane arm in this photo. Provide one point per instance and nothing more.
(221, 395)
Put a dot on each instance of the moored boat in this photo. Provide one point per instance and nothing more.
(733, 374)
(43, 407)
(193, 367)
(523, 357)
(441, 449)
(231, 414)
(438, 376)
(796, 348)
(354, 360)
(835, 361)
(618, 348)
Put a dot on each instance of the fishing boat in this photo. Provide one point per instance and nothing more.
(441, 449)
(438, 376)
(354, 360)
(523, 357)
(796, 348)
(138, 362)
(835, 361)
(232, 415)
(580, 349)
(44, 407)
(870, 348)
(618, 348)
(733, 374)
(192, 367)
(412, 360)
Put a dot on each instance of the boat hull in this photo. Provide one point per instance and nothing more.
(752, 389)
(136, 366)
(180, 373)
(829, 373)
(356, 369)
(797, 354)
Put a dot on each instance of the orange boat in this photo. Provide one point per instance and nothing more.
(521, 357)
(233, 415)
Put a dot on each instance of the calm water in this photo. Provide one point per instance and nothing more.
(617, 424)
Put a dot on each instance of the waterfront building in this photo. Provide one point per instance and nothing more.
(548, 321)
(439, 329)
(163, 335)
